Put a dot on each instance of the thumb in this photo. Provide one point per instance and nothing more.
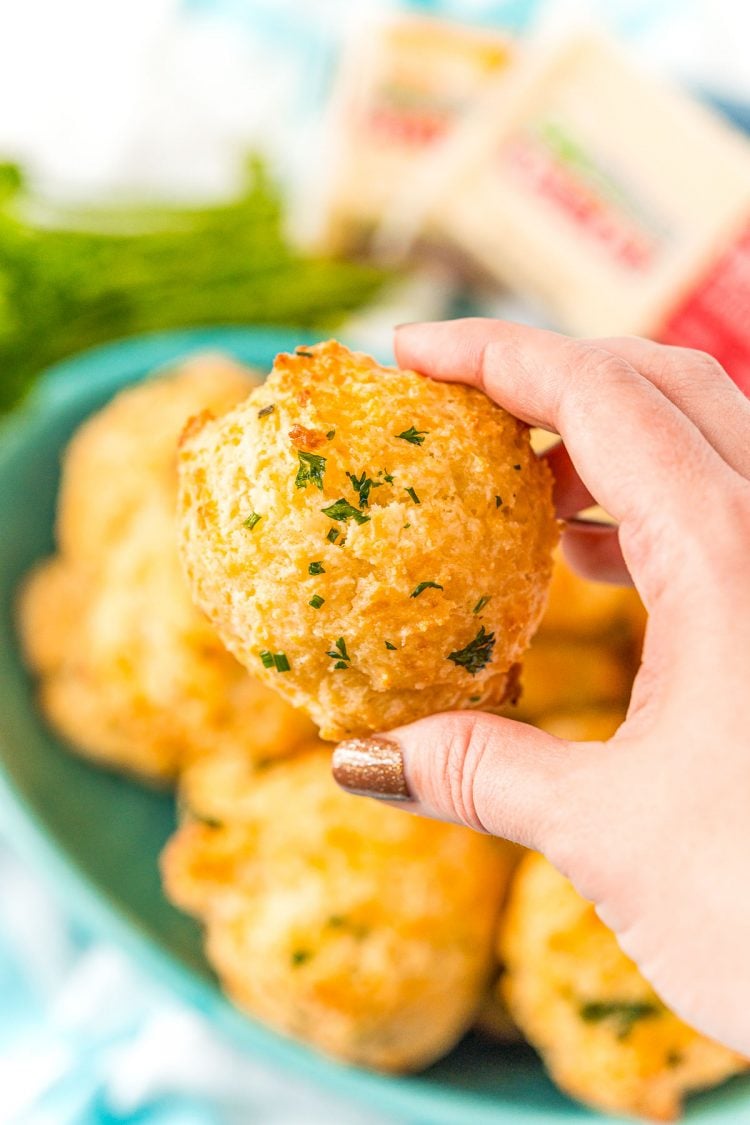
(492, 774)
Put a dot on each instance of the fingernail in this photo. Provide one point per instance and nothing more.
(371, 767)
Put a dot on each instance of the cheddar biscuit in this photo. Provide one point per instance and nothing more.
(344, 923)
(375, 544)
(603, 1033)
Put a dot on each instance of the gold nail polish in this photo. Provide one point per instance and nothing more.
(371, 767)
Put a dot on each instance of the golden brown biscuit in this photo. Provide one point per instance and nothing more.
(565, 674)
(588, 724)
(124, 453)
(603, 1033)
(376, 544)
(131, 673)
(350, 925)
(582, 608)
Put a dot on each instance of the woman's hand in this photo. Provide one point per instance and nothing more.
(654, 825)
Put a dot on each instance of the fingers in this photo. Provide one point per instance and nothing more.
(699, 386)
(493, 775)
(593, 550)
(570, 493)
(635, 452)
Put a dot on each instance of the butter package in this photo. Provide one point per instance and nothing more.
(403, 87)
(620, 205)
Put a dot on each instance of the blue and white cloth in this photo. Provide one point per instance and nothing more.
(87, 1039)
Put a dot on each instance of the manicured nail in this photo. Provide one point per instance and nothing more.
(371, 767)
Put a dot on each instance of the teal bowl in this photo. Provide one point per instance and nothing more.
(96, 837)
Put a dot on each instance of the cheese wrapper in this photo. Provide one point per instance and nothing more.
(403, 88)
(621, 205)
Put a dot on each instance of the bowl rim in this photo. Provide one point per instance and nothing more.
(416, 1098)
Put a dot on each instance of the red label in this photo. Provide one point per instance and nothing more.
(715, 317)
(554, 165)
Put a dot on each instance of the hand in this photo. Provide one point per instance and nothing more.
(653, 826)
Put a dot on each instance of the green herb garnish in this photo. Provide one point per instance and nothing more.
(316, 568)
(424, 586)
(251, 521)
(362, 485)
(477, 654)
(406, 526)
(390, 646)
(498, 501)
(331, 435)
(266, 658)
(316, 601)
(300, 956)
(266, 410)
(340, 664)
(340, 653)
(333, 535)
(481, 604)
(624, 1014)
(302, 351)
(415, 437)
(342, 510)
(281, 662)
(413, 495)
(311, 469)
(85, 275)
(387, 477)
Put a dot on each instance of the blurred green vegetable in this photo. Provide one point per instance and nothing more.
(74, 278)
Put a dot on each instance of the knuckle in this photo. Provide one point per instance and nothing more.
(589, 370)
(696, 379)
(464, 747)
(701, 364)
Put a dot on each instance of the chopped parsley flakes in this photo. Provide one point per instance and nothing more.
(251, 521)
(481, 604)
(477, 654)
(300, 956)
(498, 501)
(415, 437)
(311, 469)
(331, 435)
(333, 535)
(316, 601)
(390, 646)
(362, 485)
(624, 1014)
(342, 510)
(278, 660)
(413, 495)
(316, 568)
(340, 655)
(302, 352)
(266, 410)
(424, 586)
